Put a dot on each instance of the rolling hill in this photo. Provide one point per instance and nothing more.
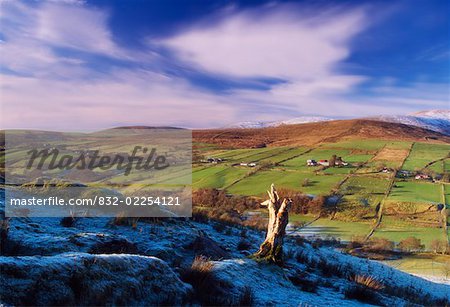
(436, 120)
(316, 133)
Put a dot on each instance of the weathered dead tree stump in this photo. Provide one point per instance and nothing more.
(272, 247)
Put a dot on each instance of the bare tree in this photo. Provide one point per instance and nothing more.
(272, 247)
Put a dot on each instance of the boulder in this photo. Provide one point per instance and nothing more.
(83, 279)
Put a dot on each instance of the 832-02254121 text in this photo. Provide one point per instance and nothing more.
(98, 201)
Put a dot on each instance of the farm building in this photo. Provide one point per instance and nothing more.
(324, 162)
(404, 174)
(311, 162)
(251, 164)
(213, 160)
(340, 162)
(422, 177)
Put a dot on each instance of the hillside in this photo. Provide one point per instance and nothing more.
(435, 120)
(316, 133)
(96, 261)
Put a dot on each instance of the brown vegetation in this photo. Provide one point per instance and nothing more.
(440, 246)
(392, 155)
(367, 281)
(315, 133)
(217, 205)
(411, 244)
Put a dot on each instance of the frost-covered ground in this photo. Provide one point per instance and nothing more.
(95, 261)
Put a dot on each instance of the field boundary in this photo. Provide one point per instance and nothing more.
(296, 156)
(354, 173)
(262, 167)
(444, 214)
(386, 195)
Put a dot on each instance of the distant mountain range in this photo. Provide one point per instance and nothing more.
(435, 120)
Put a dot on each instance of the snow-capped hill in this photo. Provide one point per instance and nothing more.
(292, 121)
(245, 125)
(435, 120)
(302, 120)
(439, 114)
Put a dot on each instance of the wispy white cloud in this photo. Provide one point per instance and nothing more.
(285, 42)
(123, 99)
(53, 91)
(75, 26)
(49, 89)
(281, 42)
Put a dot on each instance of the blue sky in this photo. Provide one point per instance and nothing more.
(84, 65)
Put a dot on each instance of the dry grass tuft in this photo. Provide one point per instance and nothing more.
(202, 265)
(367, 281)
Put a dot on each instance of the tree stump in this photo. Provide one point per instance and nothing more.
(272, 247)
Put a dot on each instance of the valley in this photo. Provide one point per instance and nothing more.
(392, 188)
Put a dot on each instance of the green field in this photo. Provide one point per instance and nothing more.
(216, 177)
(258, 183)
(365, 184)
(361, 144)
(447, 165)
(396, 230)
(422, 154)
(422, 264)
(447, 194)
(362, 185)
(334, 228)
(411, 191)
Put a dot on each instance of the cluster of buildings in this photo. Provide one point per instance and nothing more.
(417, 176)
(213, 160)
(251, 164)
(337, 162)
(422, 177)
(220, 160)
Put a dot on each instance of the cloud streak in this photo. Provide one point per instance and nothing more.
(54, 74)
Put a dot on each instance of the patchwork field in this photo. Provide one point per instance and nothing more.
(368, 181)
(411, 191)
(422, 155)
(396, 230)
(257, 183)
(368, 184)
